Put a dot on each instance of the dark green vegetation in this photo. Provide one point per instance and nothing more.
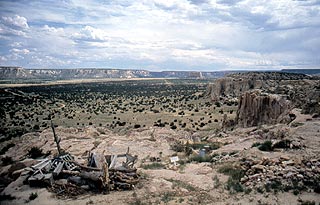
(235, 174)
(154, 165)
(179, 183)
(268, 146)
(33, 196)
(118, 105)
(265, 146)
(35, 152)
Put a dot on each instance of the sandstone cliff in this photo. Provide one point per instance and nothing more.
(229, 87)
(302, 90)
(257, 108)
(13, 73)
(271, 82)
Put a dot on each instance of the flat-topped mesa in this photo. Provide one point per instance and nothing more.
(257, 108)
(10, 72)
(13, 73)
(272, 82)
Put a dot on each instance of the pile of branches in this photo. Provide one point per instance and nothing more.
(68, 178)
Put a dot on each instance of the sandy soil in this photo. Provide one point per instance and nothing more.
(191, 183)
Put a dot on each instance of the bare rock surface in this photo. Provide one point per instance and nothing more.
(256, 108)
(302, 90)
(191, 182)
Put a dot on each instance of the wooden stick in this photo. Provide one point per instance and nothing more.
(56, 139)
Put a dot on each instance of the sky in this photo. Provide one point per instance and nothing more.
(159, 35)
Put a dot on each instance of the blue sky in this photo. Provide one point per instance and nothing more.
(158, 35)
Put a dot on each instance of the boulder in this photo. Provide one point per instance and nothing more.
(257, 108)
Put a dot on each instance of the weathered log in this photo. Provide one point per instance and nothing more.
(99, 179)
(41, 180)
(56, 139)
(94, 175)
(105, 179)
(58, 169)
(68, 172)
(123, 169)
(130, 160)
(97, 160)
(113, 161)
(85, 167)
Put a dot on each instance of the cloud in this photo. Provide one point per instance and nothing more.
(53, 29)
(17, 22)
(159, 34)
(20, 51)
(16, 25)
(89, 33)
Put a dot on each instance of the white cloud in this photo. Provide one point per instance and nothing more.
(16, 21)
(91, 34)
(16, 25)
(20, 51)
(53, 29)
(3, 59)
(184, 34)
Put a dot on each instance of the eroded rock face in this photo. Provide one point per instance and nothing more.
(256, 108)
(232, 87)
(302, 90)
(312, 104)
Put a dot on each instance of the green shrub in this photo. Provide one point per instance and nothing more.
(296, 192)
(178, 183)
(216, 181)
(296, 124)
(35, 152)
(167, 196)
(248, 191)
(178, 147)
(282, 144)
(276, 185)
(6, 160)
(33, 196)
(154, 165)
(197, 158)
(6, 148)
(234, 172)
(260, 190)
(233, 185)
(4, 197)
(266, 146)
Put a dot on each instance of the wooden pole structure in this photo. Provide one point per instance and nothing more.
(56, 139)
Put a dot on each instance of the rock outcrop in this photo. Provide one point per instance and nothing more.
(229, 87)
(271, 82)
(302, 90)
(257, 108)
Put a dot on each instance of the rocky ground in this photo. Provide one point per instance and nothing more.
(275, 164)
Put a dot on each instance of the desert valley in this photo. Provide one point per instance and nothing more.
(242, 138)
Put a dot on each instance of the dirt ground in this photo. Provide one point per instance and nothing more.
(189, 183)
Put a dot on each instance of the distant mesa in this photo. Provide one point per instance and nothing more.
(303, 71)
(12, 73)
(9, 73)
